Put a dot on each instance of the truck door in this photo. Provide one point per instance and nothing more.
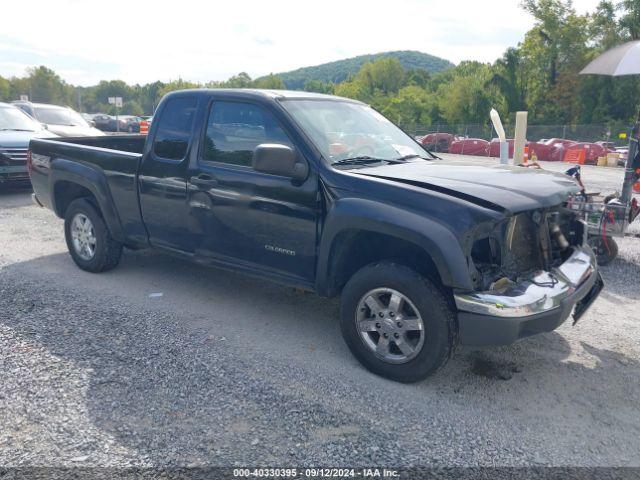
(163, 175)
(241, 216)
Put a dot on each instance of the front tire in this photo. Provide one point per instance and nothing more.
(606, 250)
(88, 238)
(397, 323)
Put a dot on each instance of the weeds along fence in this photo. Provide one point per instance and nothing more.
(582, 133)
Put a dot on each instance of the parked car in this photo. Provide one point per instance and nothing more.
(88, 117)
(62, 121)
(494, 147)
(16, 129)
(469, 146)
(438, 142)
(131, 123)
(424, 255)
(552, 149)
(543, 150)
(124, 123)
(102, 121)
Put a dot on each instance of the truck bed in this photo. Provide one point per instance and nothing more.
(110, 162)
(122, 143)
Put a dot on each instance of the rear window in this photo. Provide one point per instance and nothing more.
(174, 128)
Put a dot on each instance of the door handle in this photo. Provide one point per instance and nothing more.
(204, 180)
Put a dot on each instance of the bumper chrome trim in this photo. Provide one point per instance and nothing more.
(542, 292)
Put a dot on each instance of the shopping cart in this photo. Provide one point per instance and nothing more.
(606, 218)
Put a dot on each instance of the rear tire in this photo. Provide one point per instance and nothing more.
(88, 238)
(416, 354)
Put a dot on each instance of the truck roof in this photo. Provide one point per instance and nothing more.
(36, 104)
(265, 93)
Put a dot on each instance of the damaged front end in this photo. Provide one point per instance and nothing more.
(529, 271)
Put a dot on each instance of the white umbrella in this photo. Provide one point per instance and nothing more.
(621, 60)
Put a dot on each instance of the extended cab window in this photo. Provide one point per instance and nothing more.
(235, 129)
(174, 129)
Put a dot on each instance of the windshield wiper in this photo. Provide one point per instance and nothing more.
(409, 157)
(362, 160)
(15, 130)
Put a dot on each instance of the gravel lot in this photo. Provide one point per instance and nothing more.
(228, 370)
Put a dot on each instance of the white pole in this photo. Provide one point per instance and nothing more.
(520, 137)
(504, 146)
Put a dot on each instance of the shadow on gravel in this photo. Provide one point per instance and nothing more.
(180, 394)
(15, 195)
(621, 278)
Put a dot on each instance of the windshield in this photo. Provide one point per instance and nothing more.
(12, 118)
(59, 116)
(346, 130)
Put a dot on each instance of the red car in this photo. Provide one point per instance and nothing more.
(494, 147)
(438, 142)
(470, 146)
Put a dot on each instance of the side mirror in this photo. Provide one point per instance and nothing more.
(280, 160)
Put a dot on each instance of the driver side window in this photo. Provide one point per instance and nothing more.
(235, 129)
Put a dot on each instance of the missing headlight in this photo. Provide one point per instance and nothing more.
(522, 251)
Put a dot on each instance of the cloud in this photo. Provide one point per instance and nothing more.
(141, 42)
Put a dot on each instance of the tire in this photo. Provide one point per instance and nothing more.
(439, 329)
(605, 252)
(106, 252)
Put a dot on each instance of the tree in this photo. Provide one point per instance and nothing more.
(510, 78)
(317, 86)
(43, 85)
(630, 19)
(271, 82)
(412, 105)
(469, 97)
(242, 80)
(386, 75)
(5, 88)
(418, 77)
(553, 52)
(176, 85)
(604, 29)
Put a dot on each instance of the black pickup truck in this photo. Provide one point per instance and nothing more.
(326, 194)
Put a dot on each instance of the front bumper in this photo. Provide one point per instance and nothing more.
(539, 304)
(13, 173)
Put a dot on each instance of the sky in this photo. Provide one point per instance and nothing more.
(141, 41)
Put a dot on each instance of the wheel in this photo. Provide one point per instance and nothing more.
(605, 252)
(397, 323)
(88, 239)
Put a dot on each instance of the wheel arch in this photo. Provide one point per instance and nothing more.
(358, 232)
(72, 180)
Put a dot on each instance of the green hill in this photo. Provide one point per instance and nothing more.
(340, 70)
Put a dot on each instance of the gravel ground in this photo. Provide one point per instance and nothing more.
(228, 370)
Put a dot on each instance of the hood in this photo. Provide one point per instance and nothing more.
(74, 131)
(507, 189)
(13, 139)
